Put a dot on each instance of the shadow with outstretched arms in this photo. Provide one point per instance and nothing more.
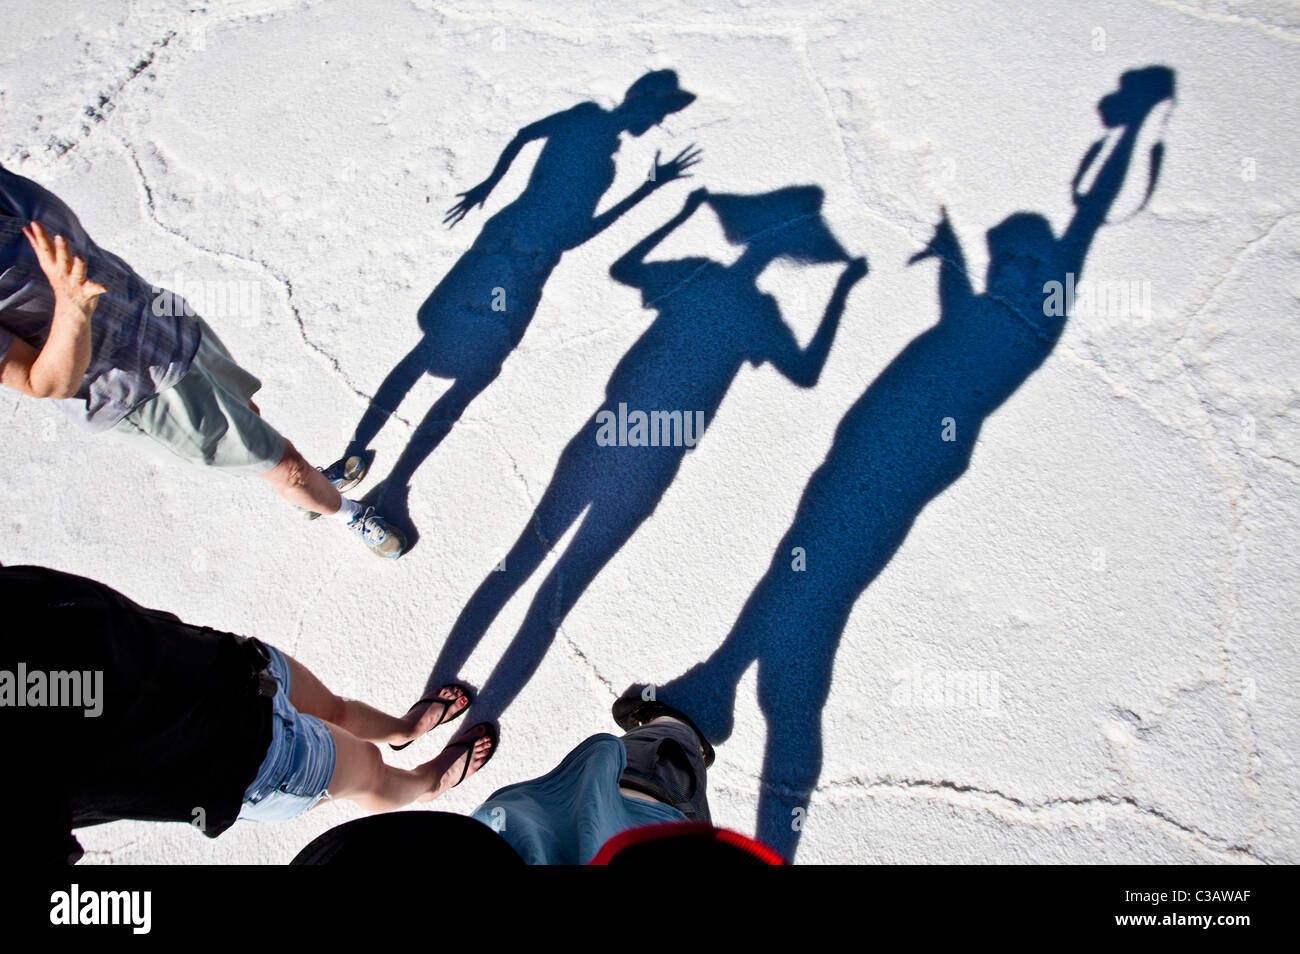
(710, 319)
(905, 440)
(479, 310)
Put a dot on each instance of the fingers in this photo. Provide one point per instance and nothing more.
(50, 254)
(688, 157)
(40, 243)
(461, 208)
(65, 271)
(689, 154)
(677, 166)
(41, 235)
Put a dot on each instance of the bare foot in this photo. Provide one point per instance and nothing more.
(449, 767)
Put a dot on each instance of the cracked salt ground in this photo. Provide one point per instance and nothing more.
(1119, 550)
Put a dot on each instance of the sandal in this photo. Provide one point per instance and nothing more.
(467, 742)
(446, 705)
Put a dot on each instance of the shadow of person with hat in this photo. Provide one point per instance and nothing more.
(480, 309)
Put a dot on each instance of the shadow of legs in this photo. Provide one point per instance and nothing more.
(392, 495)
(791, 693)
(598, 538)
(388, 398)
(547, 524)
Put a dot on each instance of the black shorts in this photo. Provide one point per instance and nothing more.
(664, 761)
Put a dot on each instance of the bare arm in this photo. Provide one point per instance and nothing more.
(804, 366)
(57, 369)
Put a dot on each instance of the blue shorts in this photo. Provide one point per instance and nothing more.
(299, 763)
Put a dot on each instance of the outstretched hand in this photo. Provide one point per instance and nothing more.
(475, 196)
(675, 168)
(65, 272)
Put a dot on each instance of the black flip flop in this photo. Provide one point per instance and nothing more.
(631, 711)
(446, 704)
(468, 744)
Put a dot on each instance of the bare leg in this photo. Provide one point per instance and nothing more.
(361, 776)
(361, 719)
(302, 484)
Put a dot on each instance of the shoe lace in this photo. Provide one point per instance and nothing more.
(369, 526)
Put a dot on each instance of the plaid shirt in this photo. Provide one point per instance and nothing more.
(134, 352)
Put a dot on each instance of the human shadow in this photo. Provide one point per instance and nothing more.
(905, 440)
(710, 319)
(479, 310)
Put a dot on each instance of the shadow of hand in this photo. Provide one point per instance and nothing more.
(475, 196)
(675, 168)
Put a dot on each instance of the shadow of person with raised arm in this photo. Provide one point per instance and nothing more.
(905, 440)
(481, 308)
(711, 318)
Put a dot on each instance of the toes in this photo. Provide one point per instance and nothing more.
(448, 701)
(454, 698)
(482, 742)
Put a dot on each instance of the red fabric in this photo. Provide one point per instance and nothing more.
(635, 836)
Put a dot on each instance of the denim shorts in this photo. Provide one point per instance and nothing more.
(299, 763)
